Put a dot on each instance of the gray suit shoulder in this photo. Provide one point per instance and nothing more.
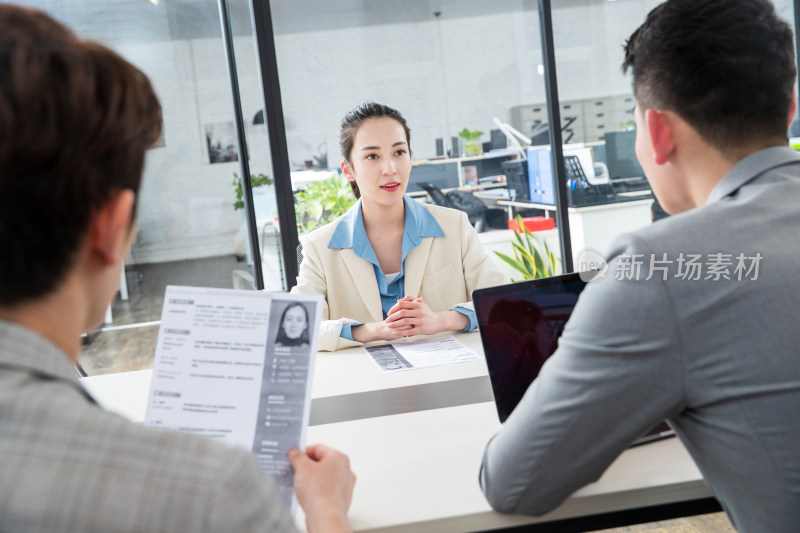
(674, 233)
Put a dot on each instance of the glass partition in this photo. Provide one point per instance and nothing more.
(596, 104)
(467, 76)
(189, 230)
(457, 71)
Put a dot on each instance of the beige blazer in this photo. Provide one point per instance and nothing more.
(443, 271)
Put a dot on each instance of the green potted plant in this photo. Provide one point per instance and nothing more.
(322, 202)
(240, 248)
(532, 257)
(470, 144)
(257, 180)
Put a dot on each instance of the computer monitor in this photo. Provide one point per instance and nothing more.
(443, 175)
(516, 173)
(621, 155)
(499, 140)
(540, 176)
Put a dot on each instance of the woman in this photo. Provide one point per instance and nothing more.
(391, 266)
(293, 329)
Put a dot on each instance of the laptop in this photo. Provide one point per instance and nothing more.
(520, 324)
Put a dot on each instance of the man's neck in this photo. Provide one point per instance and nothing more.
(704, 175)
(55, 317)
(704, 167)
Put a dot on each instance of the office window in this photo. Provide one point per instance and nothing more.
(189, 231)
(596, 104)
(446, 65)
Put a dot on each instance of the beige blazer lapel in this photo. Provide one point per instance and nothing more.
(363, 275)
(415, 264)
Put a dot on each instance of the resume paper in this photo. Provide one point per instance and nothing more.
(420, 354)
(237, 366)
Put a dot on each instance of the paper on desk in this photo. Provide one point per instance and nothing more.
(420, 354)
(223, 370)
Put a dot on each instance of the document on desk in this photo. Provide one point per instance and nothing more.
(237, 366)
(420, 354)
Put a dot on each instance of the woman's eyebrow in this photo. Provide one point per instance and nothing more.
(398, 143)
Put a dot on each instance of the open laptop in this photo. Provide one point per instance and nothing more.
(520, 324)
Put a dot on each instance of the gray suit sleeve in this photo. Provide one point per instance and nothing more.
(617, 372)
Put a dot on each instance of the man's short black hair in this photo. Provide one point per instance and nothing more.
(727, 67)
(75, 122)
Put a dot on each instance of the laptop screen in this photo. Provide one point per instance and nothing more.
(520, 325)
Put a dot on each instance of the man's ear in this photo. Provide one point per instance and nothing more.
(347, 170)
(793, 110)
(661, 130)
(111, 226)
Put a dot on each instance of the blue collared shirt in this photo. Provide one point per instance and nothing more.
(419, 223)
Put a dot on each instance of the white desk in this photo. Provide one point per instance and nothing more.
(418, 470)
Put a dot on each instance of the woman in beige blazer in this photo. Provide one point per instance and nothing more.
(390, 267)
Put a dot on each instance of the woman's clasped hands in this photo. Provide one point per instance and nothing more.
(410, 316)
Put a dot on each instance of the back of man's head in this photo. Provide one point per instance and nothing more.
(725, 66)
(75, 122)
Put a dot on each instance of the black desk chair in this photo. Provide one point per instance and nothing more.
(461, 200)
(436, 194)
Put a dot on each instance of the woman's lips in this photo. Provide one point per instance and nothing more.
(390, 187)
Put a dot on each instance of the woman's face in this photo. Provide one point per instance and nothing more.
(294, 322)
(380, 161)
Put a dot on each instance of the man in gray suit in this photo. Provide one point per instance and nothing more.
(696, 319)
(75, 122)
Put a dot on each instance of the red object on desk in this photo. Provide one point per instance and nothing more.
(533, 224)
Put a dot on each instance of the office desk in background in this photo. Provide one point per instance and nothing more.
(596, 226)
(416, 438)
(448, 173)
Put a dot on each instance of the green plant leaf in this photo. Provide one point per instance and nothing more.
(526, 260)
(316, 210)
(523, 230)
(512, 263)
(518, 237)
(550, 257)
(323, 201)
(532, 256)
(470, 135)
(541, 269)
(256, 180)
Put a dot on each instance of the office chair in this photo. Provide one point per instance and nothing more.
(461, 200)
(436, 194)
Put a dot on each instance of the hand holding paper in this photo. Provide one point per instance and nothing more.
(323, 484)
